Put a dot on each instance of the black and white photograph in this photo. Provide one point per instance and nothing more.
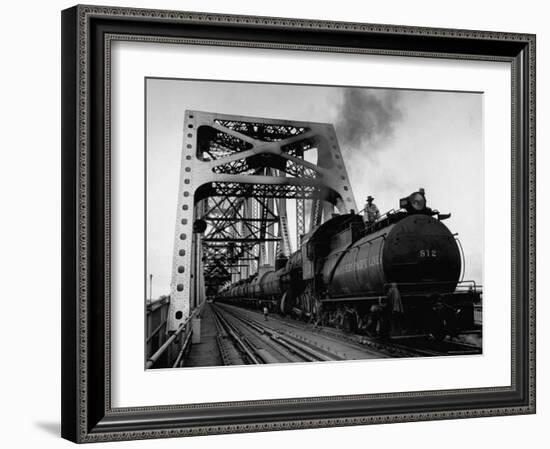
(292, 223)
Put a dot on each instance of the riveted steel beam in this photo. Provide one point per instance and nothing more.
(232, 170)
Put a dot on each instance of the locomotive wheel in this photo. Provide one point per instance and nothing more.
(284, 302)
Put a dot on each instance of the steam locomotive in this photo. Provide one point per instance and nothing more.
(345, 274)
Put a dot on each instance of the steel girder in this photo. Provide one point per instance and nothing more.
(235, 171)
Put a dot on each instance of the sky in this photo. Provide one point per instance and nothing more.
(392, 141)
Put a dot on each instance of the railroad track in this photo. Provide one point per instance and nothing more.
(406, 346)
(425, 346)
(320, 346)
(226, 329)
(261, 344)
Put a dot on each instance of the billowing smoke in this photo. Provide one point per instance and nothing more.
(366, 119)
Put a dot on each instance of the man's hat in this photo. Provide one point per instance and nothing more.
(369, 198)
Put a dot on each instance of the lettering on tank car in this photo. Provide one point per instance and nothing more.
(361, 264)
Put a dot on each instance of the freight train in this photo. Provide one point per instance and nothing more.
(400, 275)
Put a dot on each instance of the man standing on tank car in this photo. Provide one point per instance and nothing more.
(371, 212)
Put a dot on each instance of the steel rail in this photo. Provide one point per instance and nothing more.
(309, 354)
(391, 348)
(232, 331)
(461, 348)
(281, 340)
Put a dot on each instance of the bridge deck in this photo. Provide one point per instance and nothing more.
(205, 353)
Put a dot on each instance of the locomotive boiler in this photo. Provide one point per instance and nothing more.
(342, 273)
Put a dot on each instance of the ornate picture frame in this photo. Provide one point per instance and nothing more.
(88, 33)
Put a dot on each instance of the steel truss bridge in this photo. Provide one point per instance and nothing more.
(242, 181)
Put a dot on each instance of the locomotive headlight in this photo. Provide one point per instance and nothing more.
(417, 201)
